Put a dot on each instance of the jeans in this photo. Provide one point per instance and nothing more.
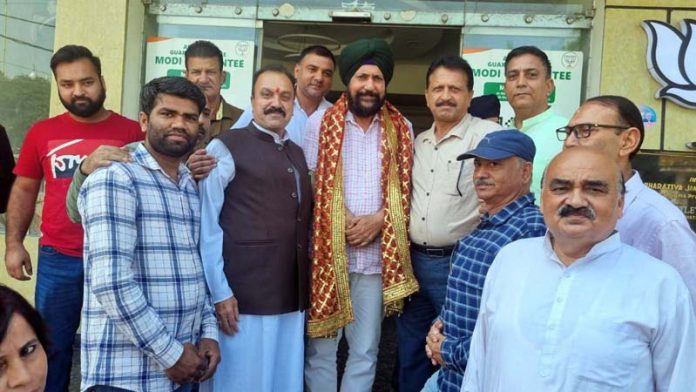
(58, 297)
(419, 313)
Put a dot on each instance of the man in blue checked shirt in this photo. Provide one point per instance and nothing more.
(502, 176)
(147, 320)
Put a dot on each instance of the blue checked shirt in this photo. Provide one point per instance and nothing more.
(470, 261)
(145, 293)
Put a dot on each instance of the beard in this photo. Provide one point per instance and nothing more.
(84, 109)
(157, 138)
(364, 111)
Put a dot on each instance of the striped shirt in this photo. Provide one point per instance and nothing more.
(362, 172)
(145, 293)
(471, 259)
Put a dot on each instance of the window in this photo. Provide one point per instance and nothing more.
(26, 46)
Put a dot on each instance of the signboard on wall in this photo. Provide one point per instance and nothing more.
(673, 176)
(165, 57)
(489, 78)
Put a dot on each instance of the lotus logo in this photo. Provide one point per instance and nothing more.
(672, 60)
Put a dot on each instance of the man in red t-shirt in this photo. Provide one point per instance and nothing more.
(52, 151)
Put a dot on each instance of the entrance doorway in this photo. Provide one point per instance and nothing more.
(414, 49)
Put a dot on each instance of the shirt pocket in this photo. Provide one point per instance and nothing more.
(456, 178)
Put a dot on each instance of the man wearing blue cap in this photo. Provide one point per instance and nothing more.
(502, 176)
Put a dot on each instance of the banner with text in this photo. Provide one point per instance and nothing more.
(165, 57)
(489, 78)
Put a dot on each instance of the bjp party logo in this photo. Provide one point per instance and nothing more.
(671, 59)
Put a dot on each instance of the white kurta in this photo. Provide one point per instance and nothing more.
(267, 354)
(653, 224)
(614, 320)
(296, 126)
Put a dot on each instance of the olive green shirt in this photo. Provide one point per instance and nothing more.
(78, 178)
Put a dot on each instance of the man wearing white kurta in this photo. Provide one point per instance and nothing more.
(650, 221)
(314, 71)
(578, 310)
(256, 209)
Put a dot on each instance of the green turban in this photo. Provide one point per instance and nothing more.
(366, 51)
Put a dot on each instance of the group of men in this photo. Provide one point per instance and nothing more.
(209, 254)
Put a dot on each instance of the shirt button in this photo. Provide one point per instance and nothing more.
(280, 148)
(425, 243)
(293, 195)
(552, 327)
(435, 148)
(427, 193)
(290, 170)
(432, 170)
(559, 300)
(299, 246)
(422, 219)
(299, 219)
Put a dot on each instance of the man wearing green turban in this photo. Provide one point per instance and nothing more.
(360, 152)
(366, 51)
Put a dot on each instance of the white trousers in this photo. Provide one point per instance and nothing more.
(266, 355)
(362, 334)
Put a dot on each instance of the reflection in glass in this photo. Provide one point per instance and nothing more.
(26, 46)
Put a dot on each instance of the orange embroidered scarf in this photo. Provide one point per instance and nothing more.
(331, 306)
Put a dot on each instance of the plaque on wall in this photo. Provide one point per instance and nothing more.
(674, 176)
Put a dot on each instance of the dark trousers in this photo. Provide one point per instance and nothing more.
(420, 311)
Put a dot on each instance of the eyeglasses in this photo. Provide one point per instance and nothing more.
(582, 131)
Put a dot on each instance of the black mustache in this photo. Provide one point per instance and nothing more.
(445, 103)
(274, 109)
(176, 131)
(567, 210)
(367, 94)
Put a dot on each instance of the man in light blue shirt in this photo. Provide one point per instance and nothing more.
(577, 309)
(528, 86)
(650, 221)
(313, 72)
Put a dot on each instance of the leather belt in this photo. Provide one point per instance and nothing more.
(433, 251)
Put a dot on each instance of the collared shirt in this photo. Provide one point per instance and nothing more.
(145, 293)
(296, 126)
(219, 115)
(362, 172)
(440, 215)
(542, 129)
(615, 320)
(654, 225)
(471, 259)
(212, 198)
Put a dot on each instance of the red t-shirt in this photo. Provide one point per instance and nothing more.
(53, 150)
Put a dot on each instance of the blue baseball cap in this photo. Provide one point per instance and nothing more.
(503, 144)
